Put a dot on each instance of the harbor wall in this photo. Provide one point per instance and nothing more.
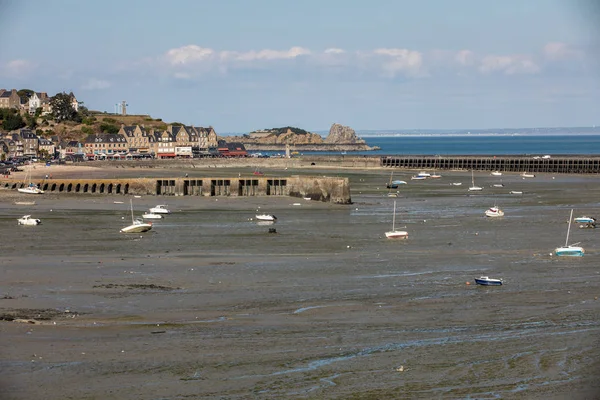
(321, 188)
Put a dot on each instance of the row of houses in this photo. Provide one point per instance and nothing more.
(177, 141)
(11, 99)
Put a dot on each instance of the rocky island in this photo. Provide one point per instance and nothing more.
(340, 138)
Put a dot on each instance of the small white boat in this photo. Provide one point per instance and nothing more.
(27, 220)
(516, 192)
(266, 217)
(117, 202)
(25, 203)
(31, 189)
(418, 177)
(585, 220)
(424, 174)
(494, 212)
(496, 173)
(307, 198)
(487, 281)
(137, 225)
(571, 250)
(395, 234)
(474, 188)
(435, 176)
(160, 209)
(398, 182)
(456, 183)
(498, 185)
(527, 175)
(150, 215)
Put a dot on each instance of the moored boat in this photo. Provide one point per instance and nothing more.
(494, 212)
(487, 281)
(160, 209)
(571, 250)
(266, 217)
(27, 220)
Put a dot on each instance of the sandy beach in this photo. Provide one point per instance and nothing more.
(210, 305)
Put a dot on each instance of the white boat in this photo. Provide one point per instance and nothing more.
(395, 234)
(424, 174)
(496, 173)
(516, 192)
(585, 220)
(494, 212)
(456, 183)
(527, 175)
(27, 220)
(25, 203)
(487, 281)
(150, 215)
(30, 188)
(160, 209)
(474, 188)
(418, 177)
(266, 217)
(435, 175)
(498, 185)
(398, 182)
(137, 225)
(569, 249)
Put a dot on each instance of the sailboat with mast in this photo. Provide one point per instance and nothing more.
(30, 187)
(137, 225)
(569, 249)
(395, 234)
(474, 188)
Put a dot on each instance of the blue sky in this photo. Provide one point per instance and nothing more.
(242, 65)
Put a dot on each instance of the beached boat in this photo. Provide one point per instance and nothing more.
(395, 234)
(569, 249)
(496, 173)
(392, 185)
(150, 215)
(160, 209)
(474, 188)
(27, 220)
(30, 188)
(266, 217)
(516, 192)
(137, 225)
(585, 220)
(527, 175)
(487, 281)
(424, 174)
(418, 177)
(494, 212)
(25, 203)
(456, 183)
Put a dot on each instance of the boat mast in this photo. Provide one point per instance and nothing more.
(569, 229)
(394, 218)
(131, 203)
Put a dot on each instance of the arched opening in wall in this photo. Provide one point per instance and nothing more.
(109, 188)
(45, 186)
(118, 189)
(85, 188)
(53, 188)
(126, 189)
(101, 190)
(78, 187)
(61, 187)
(93, 188)
(69, 187)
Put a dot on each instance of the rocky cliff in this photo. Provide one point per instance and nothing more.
(340, 134)
(340, 138)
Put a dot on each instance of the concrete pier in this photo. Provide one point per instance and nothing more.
(328, 189)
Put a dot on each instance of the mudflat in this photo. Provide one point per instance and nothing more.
(211, 304)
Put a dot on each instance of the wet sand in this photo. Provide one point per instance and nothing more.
(211, 305)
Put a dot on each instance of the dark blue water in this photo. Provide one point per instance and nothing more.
(482, 145)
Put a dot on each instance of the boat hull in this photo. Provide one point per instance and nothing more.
(488, 282)
(28, 190)
(585, 220)
(137, 228)
(570, 251)
(152, 216)
(265, 217)
(396, 235)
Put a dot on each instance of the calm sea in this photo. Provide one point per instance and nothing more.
(482, 145)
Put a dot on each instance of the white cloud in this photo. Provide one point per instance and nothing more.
(405, 61)
(509, 65)
(265, 54)
(465, 57)
(17, 68)
(334, 50)
(96, 84)
(561, 51)
(188, 54)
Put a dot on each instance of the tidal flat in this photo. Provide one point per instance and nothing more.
(210, 305)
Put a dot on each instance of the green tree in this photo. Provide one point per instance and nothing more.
(62, 110)
(12, 122)
(109, 128)
(31, 121)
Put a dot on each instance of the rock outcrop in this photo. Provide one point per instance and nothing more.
(340, 134)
